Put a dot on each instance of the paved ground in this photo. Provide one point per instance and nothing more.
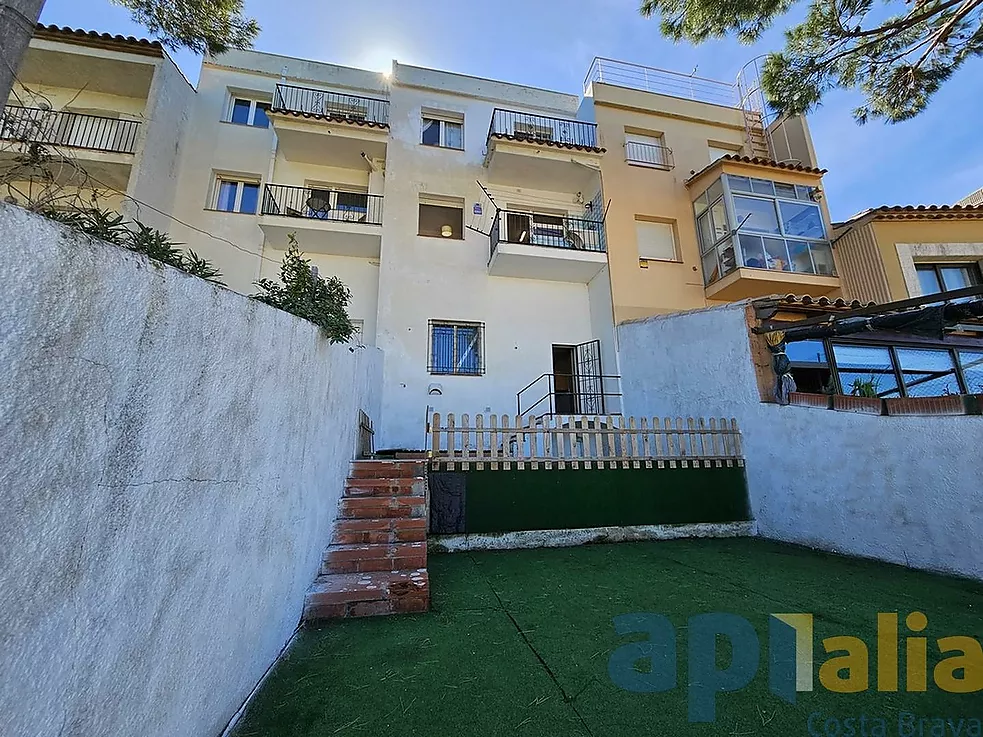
(517, 643)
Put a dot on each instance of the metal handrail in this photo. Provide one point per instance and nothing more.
(650, 154)
(551, 393)
(661, 81)
(542, 129)
(330, 105)
(318, 203)
(578, 234)
(73, 130)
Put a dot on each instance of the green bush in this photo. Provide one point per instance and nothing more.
(303, 293)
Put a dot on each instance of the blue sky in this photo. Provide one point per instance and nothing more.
(936, 158)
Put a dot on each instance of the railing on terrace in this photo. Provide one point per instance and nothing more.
(74, 130)
(566, 394)
(334, 105)
(322, 204)
(549, 231)
(662, 82)
(542, 129)
(649, 154)
(584, 439)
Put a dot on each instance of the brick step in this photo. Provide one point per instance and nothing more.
(378, 507)
(367, 594)
(386, 469)
(374, 557)
(385, 530)
(403, 486)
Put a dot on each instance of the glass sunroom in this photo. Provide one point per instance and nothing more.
(744, 222)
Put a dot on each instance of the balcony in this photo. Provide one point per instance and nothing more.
(649, 154)
(327, 221)
(540, 152)
(549, 247)
(317, 126)
(760, 266)
(103, 146)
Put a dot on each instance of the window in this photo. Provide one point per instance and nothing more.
(810, 368)
(441, 219)
(647, 150)
(927, 373)
(778, 226)
(971, 364)
(866, 371)
(717, 151)
(443, 129)
(935, 278)
(656, 240)
(236, 196)
(249, 112)
(456, 348)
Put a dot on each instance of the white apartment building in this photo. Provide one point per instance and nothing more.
(464, 214)
(112, 112)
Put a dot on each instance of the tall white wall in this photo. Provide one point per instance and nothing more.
(902, 489)
(173, 456)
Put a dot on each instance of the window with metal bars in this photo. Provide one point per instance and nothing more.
(456, 348)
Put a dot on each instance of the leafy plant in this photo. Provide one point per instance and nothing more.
(155, 244)
(897, 60)
(302, 292)
(866, 388)
(197, 266)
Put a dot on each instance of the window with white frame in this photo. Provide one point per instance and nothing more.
(647, 150)
(243, 111)
(456, 348)
(718, 151)
(656, 240)
(236, 195)
(445, 130)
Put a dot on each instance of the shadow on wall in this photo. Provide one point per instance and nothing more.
(902, 489)
(174, 453)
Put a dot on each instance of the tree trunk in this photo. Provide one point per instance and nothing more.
(17, 21)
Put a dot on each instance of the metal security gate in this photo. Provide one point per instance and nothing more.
(588, 378)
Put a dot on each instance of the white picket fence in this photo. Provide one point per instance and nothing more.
(600, 441)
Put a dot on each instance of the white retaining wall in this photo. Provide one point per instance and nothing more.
(903, 489)
(172, 458)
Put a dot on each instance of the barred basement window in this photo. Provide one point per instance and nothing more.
(456, 348)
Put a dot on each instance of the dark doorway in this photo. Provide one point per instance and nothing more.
(564, 361)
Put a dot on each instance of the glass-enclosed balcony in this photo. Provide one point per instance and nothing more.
(751, 226)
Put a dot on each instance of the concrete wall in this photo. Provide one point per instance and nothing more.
(173, 456)
(901, 489)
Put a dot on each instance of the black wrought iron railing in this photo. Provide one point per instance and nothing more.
(74, 130)
(542, 129)
(330, 105)
(322, 204)
(550, 231)
(649, 154)
(568, 394)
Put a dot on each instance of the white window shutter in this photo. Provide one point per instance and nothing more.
(655, 241)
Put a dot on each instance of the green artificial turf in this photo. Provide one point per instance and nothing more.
(517, 643)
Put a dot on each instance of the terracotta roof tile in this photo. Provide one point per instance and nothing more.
(547, 142)
(756, 161)
(337, 117)
(53, 30)
(916, 212)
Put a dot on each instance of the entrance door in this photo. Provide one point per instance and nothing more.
(564, 379)
(588, 384)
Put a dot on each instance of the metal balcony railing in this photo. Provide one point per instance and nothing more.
(550, 231)
(542, 129)
(73, 130)
(322, 204)
(330, 105)
(649, 154)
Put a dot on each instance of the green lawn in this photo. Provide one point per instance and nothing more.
(466, 669)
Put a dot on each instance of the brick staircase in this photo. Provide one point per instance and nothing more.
(377, 560)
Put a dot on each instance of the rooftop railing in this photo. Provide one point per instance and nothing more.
(330, 105)
(662, 82)
(74, 130)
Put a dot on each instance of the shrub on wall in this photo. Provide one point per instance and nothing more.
(113, 228)
(302, 292)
